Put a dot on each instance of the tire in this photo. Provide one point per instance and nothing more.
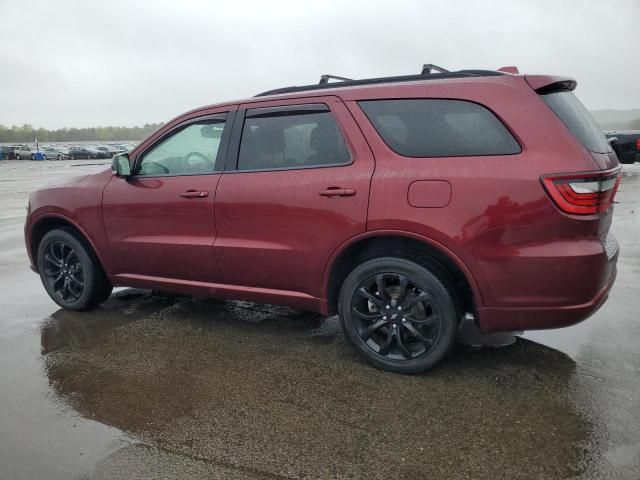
(403, 330)
(17, 157)
(44, 157)
(59, 157)
(70, 272)
(72, 157)
(33, 157)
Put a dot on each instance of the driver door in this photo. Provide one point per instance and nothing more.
(160, 222)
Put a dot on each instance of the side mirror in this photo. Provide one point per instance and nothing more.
(121, 166)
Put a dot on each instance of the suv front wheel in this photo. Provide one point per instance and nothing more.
(70, 272)
(398, 315)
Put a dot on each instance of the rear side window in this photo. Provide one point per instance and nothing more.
(577, 119)
(290, 138)
(439, 128)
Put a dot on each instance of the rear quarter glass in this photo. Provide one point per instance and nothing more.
(439, 128)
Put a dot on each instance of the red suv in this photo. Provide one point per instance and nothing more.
(404, 204)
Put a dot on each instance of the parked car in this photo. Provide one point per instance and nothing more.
(7, 152)
(81, 152)
(55, 153)
(626, 144)
(407, 205)
(25, 152)
(121, 148)
(107, 150)
(100, 151)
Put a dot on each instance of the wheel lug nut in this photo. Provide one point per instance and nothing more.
(404, 320)
(384, 318)
(394, 325)
(399, 308)
(388, 307)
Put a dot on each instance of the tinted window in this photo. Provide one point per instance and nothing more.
(291, 140)
(192, 150)
(439, 128)
(577, 119)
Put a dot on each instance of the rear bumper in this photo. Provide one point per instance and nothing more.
(536, 318)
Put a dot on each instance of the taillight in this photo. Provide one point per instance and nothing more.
(638, 144)
(583, 193)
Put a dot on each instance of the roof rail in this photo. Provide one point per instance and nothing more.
(427, 68)
(324, 79)
(429, 72)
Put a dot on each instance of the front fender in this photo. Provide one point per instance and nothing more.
(77, 203)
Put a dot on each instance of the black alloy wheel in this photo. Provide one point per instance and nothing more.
(70, 271)
(399, 315)
(63, 271)
(395, 316)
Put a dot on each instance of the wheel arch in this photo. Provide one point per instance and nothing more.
(389, 242)
(47, 222)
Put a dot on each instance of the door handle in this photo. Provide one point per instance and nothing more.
(194, 194)
(333, 192)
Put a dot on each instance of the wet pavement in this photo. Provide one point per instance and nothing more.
(159, 386)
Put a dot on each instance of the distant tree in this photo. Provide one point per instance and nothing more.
(27, 133)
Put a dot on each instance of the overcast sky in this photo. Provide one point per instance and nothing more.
(84, 63)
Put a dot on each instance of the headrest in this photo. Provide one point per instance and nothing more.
(323, 137)
(270, 138)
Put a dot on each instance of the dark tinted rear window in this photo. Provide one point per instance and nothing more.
(577, 119)
(293, 140)
(439, 128)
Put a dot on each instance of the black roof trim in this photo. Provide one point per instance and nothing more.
(374, 81)
(565, 85)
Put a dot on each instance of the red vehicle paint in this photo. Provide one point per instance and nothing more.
(520, 239)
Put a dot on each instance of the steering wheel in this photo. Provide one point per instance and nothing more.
(159, 165)
(187, 158)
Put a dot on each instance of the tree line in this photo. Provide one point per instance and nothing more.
(26, 133)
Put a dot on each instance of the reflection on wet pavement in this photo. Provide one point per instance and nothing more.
(269, 390)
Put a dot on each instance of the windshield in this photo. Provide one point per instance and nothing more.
(577, 119)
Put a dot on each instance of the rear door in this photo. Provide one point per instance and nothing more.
(160, 222)
(295, 187)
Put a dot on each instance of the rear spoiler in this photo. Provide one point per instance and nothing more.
(550, 83)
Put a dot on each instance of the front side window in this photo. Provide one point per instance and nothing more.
(191, 150)
(291, 139)
(439, 128)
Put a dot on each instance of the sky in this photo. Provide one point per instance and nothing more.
(82, 63)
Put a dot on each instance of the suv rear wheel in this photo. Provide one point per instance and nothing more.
(398, 315)
(70, 272)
